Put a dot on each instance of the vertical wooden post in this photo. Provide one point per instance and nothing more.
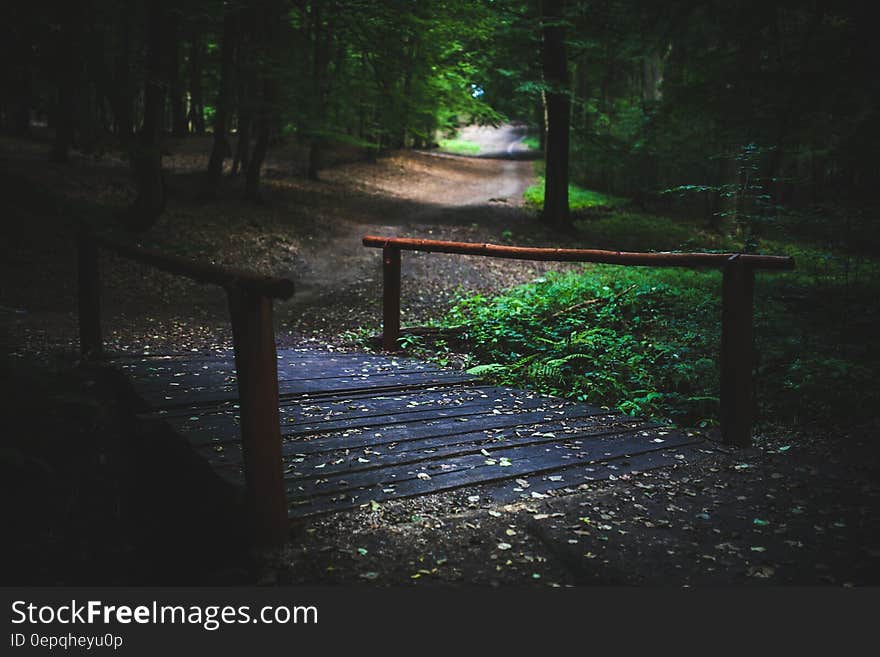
(89, 295)
(737, 353)
(390, 298)
(256, 367)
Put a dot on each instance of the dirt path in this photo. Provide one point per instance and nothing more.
(419, 194)
(309, 231)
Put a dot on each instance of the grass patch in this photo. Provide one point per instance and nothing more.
(532, 143)
(578, 197)
(459, 146)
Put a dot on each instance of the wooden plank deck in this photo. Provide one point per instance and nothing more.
(361, 427)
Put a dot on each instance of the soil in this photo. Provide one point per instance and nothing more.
(797, 508)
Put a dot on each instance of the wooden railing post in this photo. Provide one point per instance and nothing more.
(390, 298)
(737, 353)
(257, 374)
(89, 295)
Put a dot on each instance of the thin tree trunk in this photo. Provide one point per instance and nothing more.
(176, 89)
(555, 67)
(19, 107)
(123, 102)
(255, 165)
(321, 60)
(64, 127)
(147, 159)
(407, 92)
(267, 29)
(197, 103)
(221, 143)
(66, 58)
(243, 146)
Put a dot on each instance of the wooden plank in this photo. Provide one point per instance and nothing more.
(578, 445)
(291, 355)
(209, 395)
(407, 432)
(295, 422)
(152, 382)
(329, 438)
(572, 477)
(286, 359)
(368, 399)
(320, 464)
(465, 472)
(314, 367)
(460, 471)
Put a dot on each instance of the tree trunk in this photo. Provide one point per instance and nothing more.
(64, 127)
(147, 159)
(176, 89)
(221, 143)
(66, 58)
(243, 146)
(197, 103)
(266, 35)
(121, 95)
(651, 76)
(255, 165)
(582, 93)
(555, 67)
(321, 60)
(19, 106)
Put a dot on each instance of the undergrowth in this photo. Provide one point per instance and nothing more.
(646, 341)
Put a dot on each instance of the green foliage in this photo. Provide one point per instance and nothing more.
(606, 336)
(747, 203)
(579, 198)
(532, 143)
(646, 341)
(460, 146)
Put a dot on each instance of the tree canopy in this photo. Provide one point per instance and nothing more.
(743, 105)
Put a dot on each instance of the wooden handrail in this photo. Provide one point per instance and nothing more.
(737, 349)
(250, 307)
(664, 259)
(268, 286)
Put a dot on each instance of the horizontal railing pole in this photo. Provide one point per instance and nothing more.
(717, 260)
(269, 286)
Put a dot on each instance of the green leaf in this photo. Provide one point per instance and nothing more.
(493, 368)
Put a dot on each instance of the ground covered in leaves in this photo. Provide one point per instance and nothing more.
(800, 507)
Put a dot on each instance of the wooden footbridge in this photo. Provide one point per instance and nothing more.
(308, 432)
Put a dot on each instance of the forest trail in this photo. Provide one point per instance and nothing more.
(305, 230)
(422, 194)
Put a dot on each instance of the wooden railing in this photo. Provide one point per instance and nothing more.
(250, 308)
(737, 350)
